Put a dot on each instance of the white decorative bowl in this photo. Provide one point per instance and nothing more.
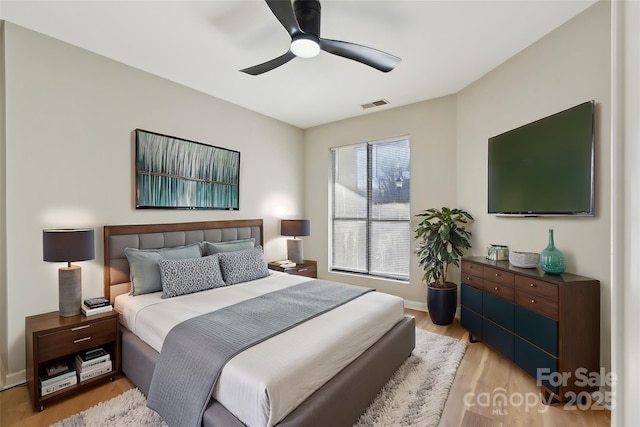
(524, 259)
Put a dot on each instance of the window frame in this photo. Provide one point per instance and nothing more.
(369, 220)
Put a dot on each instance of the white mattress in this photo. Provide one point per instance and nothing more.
(266, 382)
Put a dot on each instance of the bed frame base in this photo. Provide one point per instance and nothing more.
(339, 402)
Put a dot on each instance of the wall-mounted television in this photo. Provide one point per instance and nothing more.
(545, 167)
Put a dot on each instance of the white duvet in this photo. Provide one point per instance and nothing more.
(265, 383)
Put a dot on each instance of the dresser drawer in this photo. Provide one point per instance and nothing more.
(498, 276)
(537, 329)
(78, 338)
(537, 288)
(535, 362)
(304, 270)
(498, 289)
(498, 310)
(471, 268)
(539, 305)
(471, 298)
(498, 338)
(471, 280)
(471, 321)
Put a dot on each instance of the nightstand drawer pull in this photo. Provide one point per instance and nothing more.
(80, 327)
(302, 269)
(81, 340)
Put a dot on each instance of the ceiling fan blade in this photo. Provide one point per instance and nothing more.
(269, 65)
(283, 10)
(377, 59)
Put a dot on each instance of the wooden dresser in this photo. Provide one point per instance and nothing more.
(539, 321)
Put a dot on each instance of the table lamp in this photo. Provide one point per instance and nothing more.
(295, 228)
(68, 245)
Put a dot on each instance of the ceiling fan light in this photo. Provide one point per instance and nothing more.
(305, 48)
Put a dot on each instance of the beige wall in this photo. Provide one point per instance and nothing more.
(569, 66)
(70, 115)
(431, 128)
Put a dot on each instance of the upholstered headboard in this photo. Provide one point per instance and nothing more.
(155, 236)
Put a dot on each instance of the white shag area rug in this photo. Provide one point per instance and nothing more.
(414, 396)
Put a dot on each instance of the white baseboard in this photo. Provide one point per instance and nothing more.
(15, 379)
(415, 305)
(2, 375)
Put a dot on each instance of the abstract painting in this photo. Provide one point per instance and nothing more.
(175, 173)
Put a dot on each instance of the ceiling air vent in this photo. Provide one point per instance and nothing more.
(377, 103)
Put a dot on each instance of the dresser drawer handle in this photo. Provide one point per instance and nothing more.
(468, 278)
(497, 274)
(302, 269)
(496, 288)
(532, 285)
(81, 340)
(533, 301)
(81, 327)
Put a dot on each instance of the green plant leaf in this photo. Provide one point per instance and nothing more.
(442, 240)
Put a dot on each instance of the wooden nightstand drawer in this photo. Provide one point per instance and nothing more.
(308, 268)
(77, 338)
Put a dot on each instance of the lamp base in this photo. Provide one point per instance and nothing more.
(69, 291)
(294, 250)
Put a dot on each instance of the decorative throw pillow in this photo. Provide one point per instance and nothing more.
(186, 276)
(242, 266)
(211, 248)
(143, 265)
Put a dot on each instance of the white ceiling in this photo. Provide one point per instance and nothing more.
(444, 46)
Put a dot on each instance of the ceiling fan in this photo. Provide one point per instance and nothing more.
(302, 22)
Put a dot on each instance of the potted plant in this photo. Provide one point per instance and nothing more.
(442, 239)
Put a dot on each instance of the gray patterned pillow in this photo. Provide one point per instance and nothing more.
(185, 276)
(242, 266)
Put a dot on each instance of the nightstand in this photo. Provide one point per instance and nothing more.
(51, 338)
(308, 268)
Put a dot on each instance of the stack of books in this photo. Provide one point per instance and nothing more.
(97, 305)
(93, 363)
(286, 263)
(56, 377)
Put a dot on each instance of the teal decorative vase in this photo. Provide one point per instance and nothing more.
(551, 259)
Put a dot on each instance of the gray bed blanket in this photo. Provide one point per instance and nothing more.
(195, 351)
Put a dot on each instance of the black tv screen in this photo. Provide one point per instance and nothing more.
(545, 167)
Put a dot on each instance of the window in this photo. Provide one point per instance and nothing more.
(371, 230)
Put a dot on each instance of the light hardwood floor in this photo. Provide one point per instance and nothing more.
(482, 375)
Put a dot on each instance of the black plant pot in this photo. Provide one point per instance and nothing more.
(442, 303)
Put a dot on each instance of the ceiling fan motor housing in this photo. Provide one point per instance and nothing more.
(302, 21)
(308, 15)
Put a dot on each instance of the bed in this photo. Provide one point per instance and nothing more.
(330, 398)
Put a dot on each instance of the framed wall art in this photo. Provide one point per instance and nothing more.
(175, 173)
